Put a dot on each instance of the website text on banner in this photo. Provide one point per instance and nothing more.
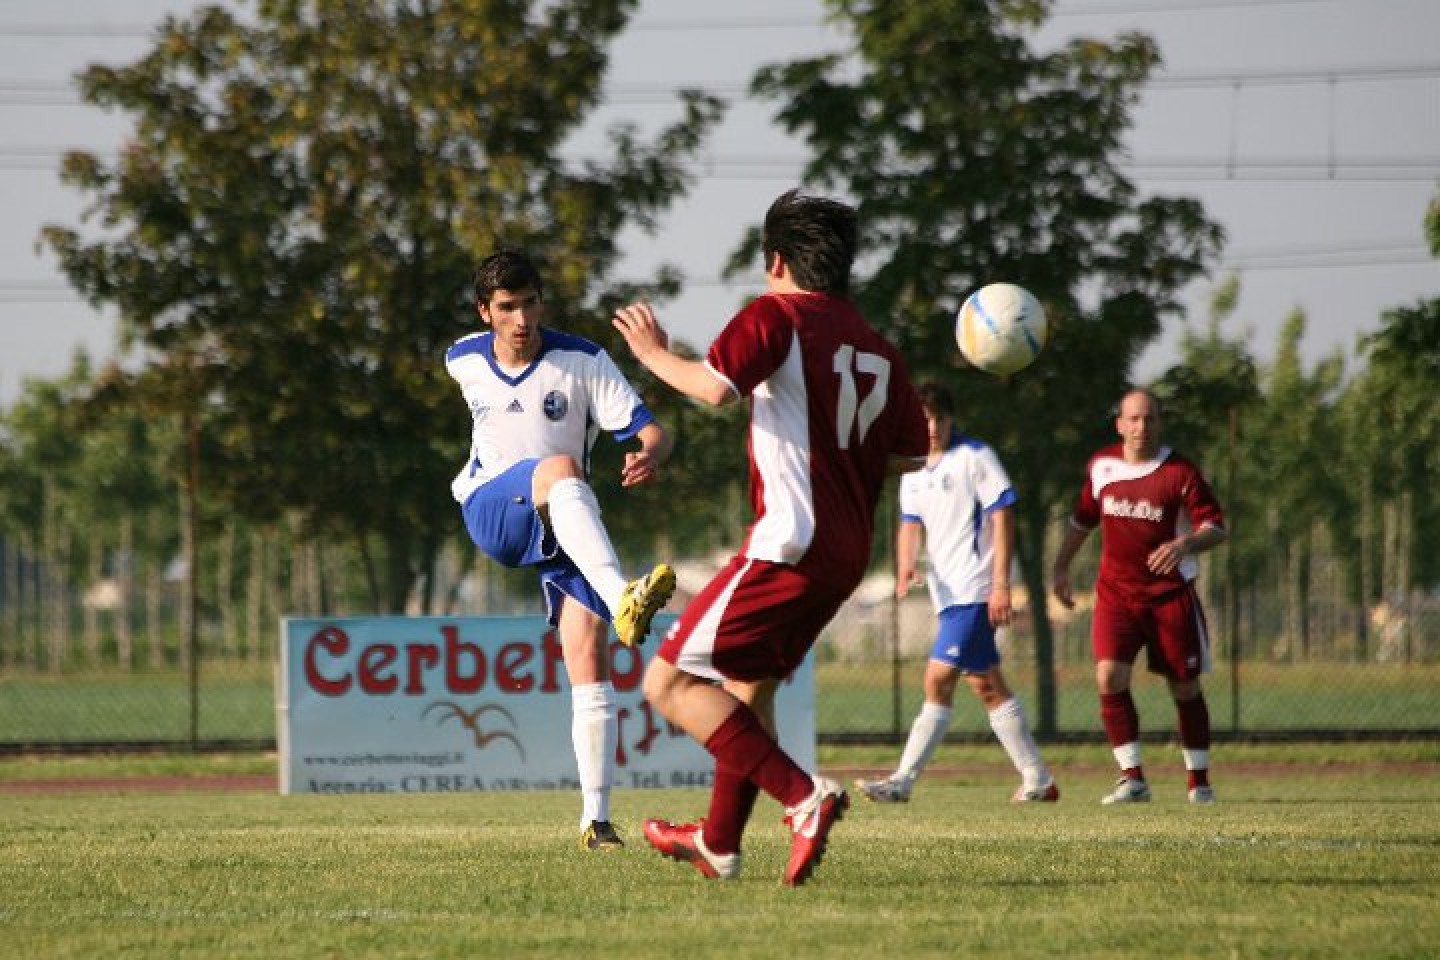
(434, 704)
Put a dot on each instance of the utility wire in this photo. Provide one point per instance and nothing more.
(20, 92)
(132, 30)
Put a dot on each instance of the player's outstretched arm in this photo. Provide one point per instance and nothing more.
(643, 465)
(999, 602)
(651, 346)
(1166, 557)
(907, 552)
(1060, 575)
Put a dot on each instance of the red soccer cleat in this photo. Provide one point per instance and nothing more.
(684, 842)
(1049, 793)
(810, 824)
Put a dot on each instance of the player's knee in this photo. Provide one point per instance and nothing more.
(1184, 690)
(1112, 677)
(552, 470)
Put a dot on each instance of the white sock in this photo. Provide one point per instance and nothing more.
(1013, 731)
(1196, 759)
(926, 732)
(1127, 755)
(575, 520)
(593, 733)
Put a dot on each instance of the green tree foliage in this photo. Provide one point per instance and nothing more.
(1212, 401)
(975, 158)
(72, 477)
(290, 230)
(1398, 421)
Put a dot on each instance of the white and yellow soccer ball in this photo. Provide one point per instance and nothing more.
(1001, 328)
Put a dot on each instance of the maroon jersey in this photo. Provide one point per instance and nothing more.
(830, 402)
(1139, 506)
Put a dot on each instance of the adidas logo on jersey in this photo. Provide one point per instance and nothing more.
(514, 407)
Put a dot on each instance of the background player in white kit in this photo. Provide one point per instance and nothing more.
(960, 505)
(538, 399)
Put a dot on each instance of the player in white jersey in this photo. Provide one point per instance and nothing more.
(960, 503)
(538, 399)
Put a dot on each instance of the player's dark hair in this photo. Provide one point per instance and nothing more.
(816, 237)
(505, 270)
(936, 399)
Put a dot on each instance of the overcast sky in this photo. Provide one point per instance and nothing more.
(1309, 128)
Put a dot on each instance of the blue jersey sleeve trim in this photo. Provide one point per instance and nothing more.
(910, 518)
(1006, 499)
(638, 420)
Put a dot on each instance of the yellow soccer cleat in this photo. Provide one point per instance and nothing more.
(600, 835)
(643, 599)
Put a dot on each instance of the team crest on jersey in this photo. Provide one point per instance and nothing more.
(479, 411)
(556, 405)
(947, 482)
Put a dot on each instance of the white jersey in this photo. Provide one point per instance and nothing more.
(557, 405)
(953, 500)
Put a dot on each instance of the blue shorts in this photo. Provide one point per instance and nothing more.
(504, 523)
(966, 640)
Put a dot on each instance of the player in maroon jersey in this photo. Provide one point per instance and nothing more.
(1155, 513)
(831, 410)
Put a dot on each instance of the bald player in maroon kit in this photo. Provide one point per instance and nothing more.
(1155, 513)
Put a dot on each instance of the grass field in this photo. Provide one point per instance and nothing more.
(1314, 851)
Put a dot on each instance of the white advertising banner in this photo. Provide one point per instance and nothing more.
(432, 704)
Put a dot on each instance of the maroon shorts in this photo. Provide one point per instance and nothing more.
(754, 621)
(1171, 629)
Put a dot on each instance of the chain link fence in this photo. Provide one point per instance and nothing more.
(1338, 679)
(75, 673)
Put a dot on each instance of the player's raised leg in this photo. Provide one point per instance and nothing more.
(574, 520)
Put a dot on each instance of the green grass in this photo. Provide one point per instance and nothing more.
(1333, 853)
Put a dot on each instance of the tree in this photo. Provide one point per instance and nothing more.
(290, 231)
(973, 158)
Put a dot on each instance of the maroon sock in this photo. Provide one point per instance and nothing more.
(1118, 715)
(1194, 723)
(731, 801)
(741, 747)
(1194, 717)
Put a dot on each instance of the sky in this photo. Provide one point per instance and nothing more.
(1310, 129)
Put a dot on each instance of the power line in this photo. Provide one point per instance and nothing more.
(1380, 253)
(132, 30)
(39, 93)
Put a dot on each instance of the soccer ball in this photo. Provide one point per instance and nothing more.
(1001, 328)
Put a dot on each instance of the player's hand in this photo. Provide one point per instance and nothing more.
(639, 468)
(642, 332)
(1166, 557)
(904, 580)
(1060, 586)
(1000, 609)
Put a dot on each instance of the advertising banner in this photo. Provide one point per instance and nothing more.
(432, 704)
